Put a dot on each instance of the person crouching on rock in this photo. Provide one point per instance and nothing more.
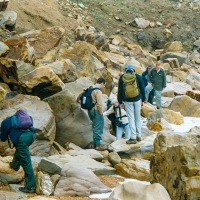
(121, 119)
(19, 131)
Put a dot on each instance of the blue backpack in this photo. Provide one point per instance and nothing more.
(86, 98)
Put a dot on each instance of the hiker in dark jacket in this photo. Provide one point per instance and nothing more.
(19, 131)
(157, 81)
(132, 105)
(144, 80)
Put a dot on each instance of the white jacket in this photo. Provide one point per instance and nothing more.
(124, 119)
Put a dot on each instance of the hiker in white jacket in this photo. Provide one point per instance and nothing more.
(121, 119)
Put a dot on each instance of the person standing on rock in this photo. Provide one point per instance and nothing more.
(157, 81)
(144, 80)
(130, 93)
(95, 111)
(20, 133)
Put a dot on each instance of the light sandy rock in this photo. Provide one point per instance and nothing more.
(114, 158)
(179, 88)
(54, 164)
(147, 109)
(91, 153)
(154, 119)
(41, 198)
(78, 181)
(142, 149)
(173, 62)
(186, 106)
(115, 39)
(139, 191)
(160, 125)
(7, 174)
(4, 195)
(135, 168)
(168, 92)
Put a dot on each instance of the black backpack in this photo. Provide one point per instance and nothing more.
(86, 98)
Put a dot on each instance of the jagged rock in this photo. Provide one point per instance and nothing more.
(114, 158)
(195, 57)
(42, 82)
(55, 178)
(182, 57)
(142, 149)
(88, 60)
(54, 164)
(175, 46)
(168, 92)
(8, 17)
(4, 89)
(40, 148)
(173, 62)
(65, 70)
(3, 4)
(159, 125)
(194, 94)
(44, 184)
(140, 22)
(135, 168)
(44, 40)
(12, 70)
(7, 174)
(147, 109)
(175, 164)
(179, 88)
(139, 191)
(115, 39)
(6, 195)
(44, 120)
(20, 49)
(3, 49)
(169, 115)
(91, 153)
(78, 181)
(186, 106)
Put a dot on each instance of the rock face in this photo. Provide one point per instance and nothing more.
(175, 164)
(139, 191)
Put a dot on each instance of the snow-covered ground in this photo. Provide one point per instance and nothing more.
(189, 122)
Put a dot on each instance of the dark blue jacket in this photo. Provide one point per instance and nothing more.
(141, 87)
(144, 77)
(15, 133)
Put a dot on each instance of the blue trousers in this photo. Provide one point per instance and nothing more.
(97, 125)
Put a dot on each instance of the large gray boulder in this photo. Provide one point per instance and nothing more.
(78, 181)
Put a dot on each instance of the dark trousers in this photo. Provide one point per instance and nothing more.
(22, 157)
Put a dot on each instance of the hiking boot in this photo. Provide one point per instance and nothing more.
(13, 167)
(101, 147)
(27, 190)
(91, 145)
(139, 139)
(131, 141)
